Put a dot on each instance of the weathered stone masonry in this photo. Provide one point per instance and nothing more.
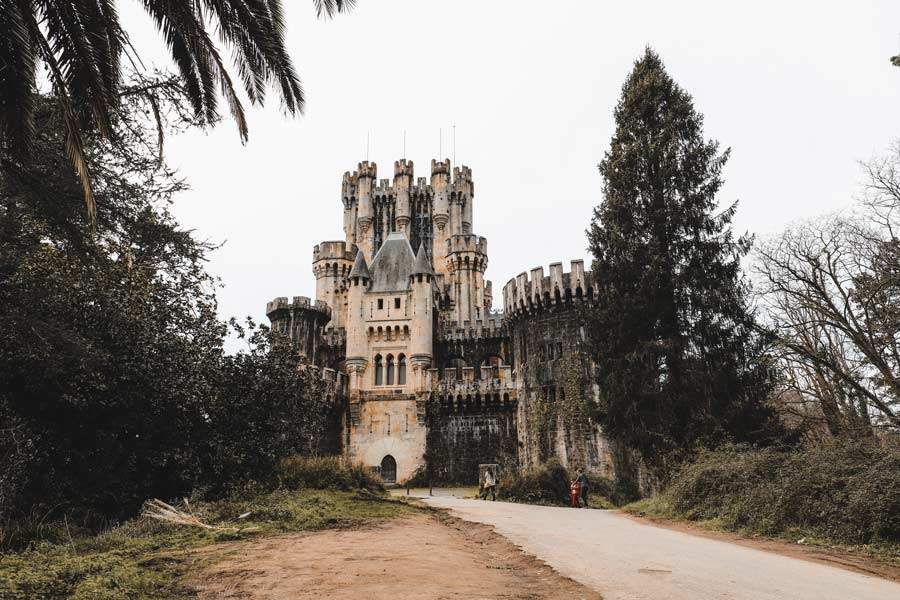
(403, 310)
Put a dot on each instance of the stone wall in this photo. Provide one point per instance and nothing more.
(558, 402)
(458, 442)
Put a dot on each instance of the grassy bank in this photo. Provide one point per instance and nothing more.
(145, 558)
(838, 495)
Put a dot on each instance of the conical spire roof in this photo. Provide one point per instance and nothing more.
(360, 268)
(421, 265)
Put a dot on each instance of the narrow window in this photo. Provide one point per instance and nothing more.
(379, 374)
(390, 369)
(401, 369)
(396, 302)
(380, 303)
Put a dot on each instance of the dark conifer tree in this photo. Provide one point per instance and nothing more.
(676, 357)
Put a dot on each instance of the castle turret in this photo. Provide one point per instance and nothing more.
(403, 180)
(357, 284)
(349, 200)
(365, 182)
(462, 194)
(331, 265)
(440, 180)
(422, 316)
(301, 321)
(466, 262)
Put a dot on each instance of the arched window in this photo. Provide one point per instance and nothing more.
(401, 369)
(379, 373)
(390, 369)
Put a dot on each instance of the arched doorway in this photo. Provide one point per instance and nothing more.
(389, 469)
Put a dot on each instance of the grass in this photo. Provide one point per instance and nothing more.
(144, 559)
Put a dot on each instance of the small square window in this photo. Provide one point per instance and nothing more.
(396, 302)
(380, 303)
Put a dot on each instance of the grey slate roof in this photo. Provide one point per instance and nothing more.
(360, 269)
(392, 264)
(422, 265)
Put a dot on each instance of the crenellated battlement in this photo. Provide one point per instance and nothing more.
(529, 292)
(490, 328)
(332, 250)
(403, 168)
(466, 243)
(297, 303)
(461, 186)
(366, 169)
(440, 167)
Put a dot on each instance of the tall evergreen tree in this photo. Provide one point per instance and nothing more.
(676, 358)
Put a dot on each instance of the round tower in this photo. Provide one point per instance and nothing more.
(300, 320)
(365, 182)
(466, 262)
(422, 330)
(440, 181)
(331, 265)
(403, 180)
(357, 344)
(349, 200)
(463, 193)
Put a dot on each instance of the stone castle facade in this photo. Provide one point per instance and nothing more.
(430, 373)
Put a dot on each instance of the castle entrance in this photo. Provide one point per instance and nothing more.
(389, 469)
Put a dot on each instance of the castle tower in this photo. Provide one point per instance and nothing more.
(302, 321)
(331, 266)
(421, 340)
(403, 179)
(357, 346)
(462, 192)
(365, 182)
(466, 262)
(440, 180)
(350, 201)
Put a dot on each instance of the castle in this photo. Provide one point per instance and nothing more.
(430, 373)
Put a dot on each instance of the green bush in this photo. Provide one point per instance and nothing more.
(547, 483)
(848, 492)
(325, 472)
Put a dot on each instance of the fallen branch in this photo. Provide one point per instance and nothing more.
(162, 511)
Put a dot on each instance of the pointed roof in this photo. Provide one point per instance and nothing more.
(392, 264)
(422, 265)
(360, 268)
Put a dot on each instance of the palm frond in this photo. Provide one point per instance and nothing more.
(331, 7)
(18, 62)
(74, 144)
(82, 41)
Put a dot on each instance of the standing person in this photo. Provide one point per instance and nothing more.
(489, 486)
(583, 487)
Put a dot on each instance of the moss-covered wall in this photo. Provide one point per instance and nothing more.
(457, 443)
(558, 403)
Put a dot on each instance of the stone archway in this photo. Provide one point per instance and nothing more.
(389, 469)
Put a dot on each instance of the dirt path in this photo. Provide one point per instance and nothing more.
(417, 557)
(627, 559)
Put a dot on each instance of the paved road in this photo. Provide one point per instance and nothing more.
(627, 560)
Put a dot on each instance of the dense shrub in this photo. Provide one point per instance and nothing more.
(326, 472)
(549, 484)
(843, 491)
(546, 483)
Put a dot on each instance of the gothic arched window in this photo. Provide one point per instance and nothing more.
(390, 369)
(379, 373)
(401, 369)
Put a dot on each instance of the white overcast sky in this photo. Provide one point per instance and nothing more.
(800, 90)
